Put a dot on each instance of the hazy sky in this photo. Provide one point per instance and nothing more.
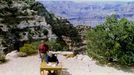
(85, 0)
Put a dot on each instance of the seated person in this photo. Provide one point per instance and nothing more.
(51, 58)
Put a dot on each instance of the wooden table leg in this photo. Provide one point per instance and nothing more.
(61, 72)
(41, 72)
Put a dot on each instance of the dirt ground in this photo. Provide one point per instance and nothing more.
(79, 65)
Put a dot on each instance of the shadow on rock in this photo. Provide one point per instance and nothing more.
(4, 62)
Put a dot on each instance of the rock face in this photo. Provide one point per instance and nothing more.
(81, 46)
(36, 28)
(82, 30)
(18, 22)
(12, 54)
(27, 21)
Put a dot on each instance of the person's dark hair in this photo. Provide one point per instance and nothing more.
(53, 54)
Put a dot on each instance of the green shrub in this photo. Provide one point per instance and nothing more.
(2, 57)
(112, 41)
(28, 49)
(54, 46)
(35, 44)
(22, 54)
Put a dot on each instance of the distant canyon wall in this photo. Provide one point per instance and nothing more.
(91, 13)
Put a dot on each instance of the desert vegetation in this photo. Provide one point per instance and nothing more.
(112, 41)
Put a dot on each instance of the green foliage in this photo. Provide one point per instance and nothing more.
(22, 54)
(54, 45)
(112, 41)
(2, 57)
(35, 44)
(11, 15)
(28, 49)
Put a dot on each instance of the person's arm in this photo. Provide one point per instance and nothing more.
(57, 61)
(47, 59)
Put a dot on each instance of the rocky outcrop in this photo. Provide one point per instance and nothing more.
(81, 46)
(37, 29)
(25, 21)
(82, 30)
(18, 22)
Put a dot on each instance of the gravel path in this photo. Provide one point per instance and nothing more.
(20, 66)
(80, 65)
(83, 65)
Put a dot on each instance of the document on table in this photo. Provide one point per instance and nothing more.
(51, 64)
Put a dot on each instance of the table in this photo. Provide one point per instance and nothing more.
(45, 67)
